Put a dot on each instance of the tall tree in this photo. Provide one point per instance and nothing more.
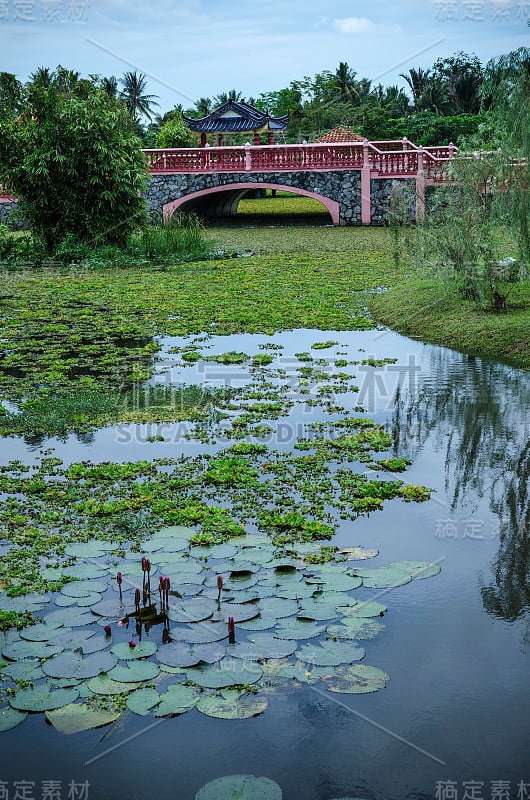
(138, 103)
(75, 164)
(224, 97)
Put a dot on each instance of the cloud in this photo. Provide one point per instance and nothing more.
(354, 25)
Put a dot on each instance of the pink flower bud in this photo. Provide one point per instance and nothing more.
(231, 625)
(108, 630)
(137, 597)
(219, 581)
(144, 562)
(119, 578)
(132, 645)
(147, 565)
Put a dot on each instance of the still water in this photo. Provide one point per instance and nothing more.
(456, 714)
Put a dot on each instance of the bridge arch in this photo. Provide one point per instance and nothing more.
(223, 200)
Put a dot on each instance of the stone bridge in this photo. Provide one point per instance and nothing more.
(352, 181)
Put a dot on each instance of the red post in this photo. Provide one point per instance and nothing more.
(420, 187)
(219, 140)
(366, 191)
(203, 139)
(257, 139)
(271, 137)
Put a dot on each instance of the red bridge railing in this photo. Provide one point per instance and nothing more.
(400, 158)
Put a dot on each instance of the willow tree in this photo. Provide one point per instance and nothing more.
(507, 88)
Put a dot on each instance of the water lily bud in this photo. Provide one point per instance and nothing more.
(137, 597)
(144, 562)
(119, 579)
(219, 581)
(231, 625)
(132, 645)
(147, 565)
(108, 630)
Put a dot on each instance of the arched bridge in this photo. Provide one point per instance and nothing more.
(353, 181)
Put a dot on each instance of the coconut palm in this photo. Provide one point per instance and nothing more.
(225, 97)
(133, 93)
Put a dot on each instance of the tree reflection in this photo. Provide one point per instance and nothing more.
(476, 411)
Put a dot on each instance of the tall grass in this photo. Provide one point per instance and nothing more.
(180, 238)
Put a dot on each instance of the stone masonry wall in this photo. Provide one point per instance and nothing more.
(7, 209)
(341, 186)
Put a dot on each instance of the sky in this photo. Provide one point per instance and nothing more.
(200, 48)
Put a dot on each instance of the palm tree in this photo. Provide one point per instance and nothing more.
(345, 81)
(417, 80)
(110, 86)
(225, 97)
(138, 103)
(203, 106)
(42, 77)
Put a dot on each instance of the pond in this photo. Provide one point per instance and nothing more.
(455, 646)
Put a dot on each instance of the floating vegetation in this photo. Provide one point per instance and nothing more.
(240, 787)
(200, 583)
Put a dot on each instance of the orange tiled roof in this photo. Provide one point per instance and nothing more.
(339, 135)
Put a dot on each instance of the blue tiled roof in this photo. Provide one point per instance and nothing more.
(248, 119)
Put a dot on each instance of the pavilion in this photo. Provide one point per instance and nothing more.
(236, 116)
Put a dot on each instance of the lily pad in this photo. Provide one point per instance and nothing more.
(92, 549)
(418, 569)
(263, 645)
(177, 700)
(241, 612)
(352, 628)
(10, 718)
(41, 698)
(242, 708)
(227, 672)
(181, 654)
(40, 632)
(104, 685)
(83, 588)
(24, 649)
(72, 665)
(240, 787)
(357, 679)
(358, 553)
(299, 629)
(86, 571)
(76, 717)
(277, 607)
(142, 701)
(29, 669)
(368, 608)
(201, 633)
(384, 578)
(74, 617)
(302, 673)
(134, 672)
(259, 624)
(196, 610)
(330, 654)
(142, 650)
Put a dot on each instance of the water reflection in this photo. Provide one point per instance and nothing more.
(476, 412)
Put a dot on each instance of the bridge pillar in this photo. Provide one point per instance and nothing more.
(366, 192)
(420, 187)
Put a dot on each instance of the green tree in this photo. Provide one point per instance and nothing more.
(507, 87)
(175, 133)
(10, 95)
(75, 164)
(138, 103)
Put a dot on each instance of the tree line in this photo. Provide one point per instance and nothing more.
(444, 103)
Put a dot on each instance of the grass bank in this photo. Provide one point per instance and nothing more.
(425, 309)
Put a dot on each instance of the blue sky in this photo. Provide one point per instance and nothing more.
(193, 48)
